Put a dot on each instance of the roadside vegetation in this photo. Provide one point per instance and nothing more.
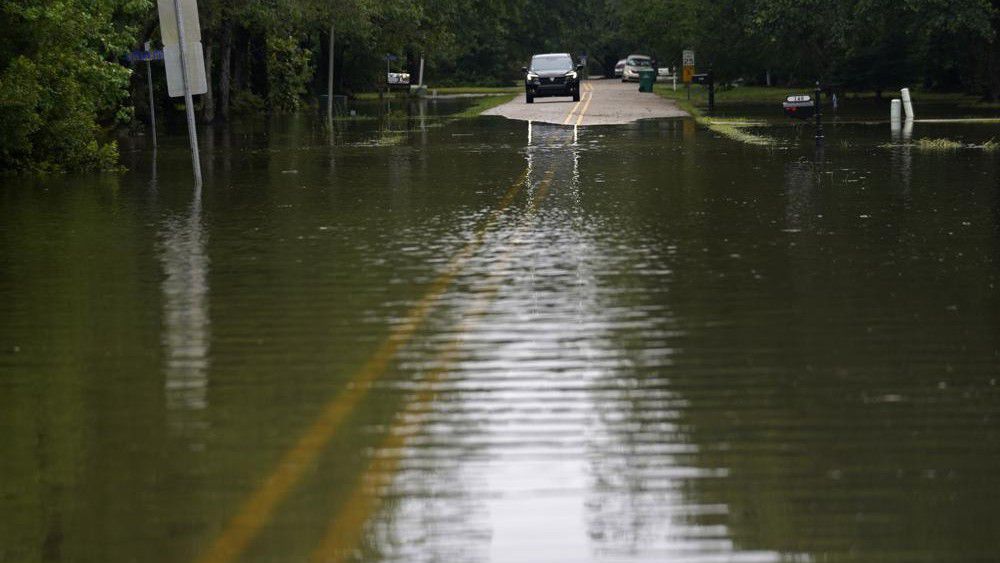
(484, 103)
(758, 95)
(946, 145)
(731, 128)
(64, 83)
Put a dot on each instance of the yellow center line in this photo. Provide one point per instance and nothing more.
(570, 115)
(346, 530)
(257, 509)
(586, 106)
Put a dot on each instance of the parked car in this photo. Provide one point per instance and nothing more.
(633, 64)
(552, 74)
(619, 68)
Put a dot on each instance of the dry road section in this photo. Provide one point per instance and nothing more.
(602, 102)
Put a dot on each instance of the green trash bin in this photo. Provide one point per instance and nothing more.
(646, 80)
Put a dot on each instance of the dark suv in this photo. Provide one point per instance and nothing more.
(553, 74)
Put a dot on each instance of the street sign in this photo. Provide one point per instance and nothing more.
(180, 31)
(391, 57)
(195, 60)
(139, 56)
(168, 21)
(687, 59)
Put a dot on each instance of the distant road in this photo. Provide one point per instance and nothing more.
(602, 102)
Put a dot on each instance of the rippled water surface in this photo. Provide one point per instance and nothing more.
(471, 340)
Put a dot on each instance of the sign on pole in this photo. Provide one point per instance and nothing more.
(185, 63)
(168, 21)
(195, 59)
(147, 55)
(688, 61)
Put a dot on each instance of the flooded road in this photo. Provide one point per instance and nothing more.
(602, 102)
(423, 339)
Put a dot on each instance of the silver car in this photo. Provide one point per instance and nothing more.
(633, 64)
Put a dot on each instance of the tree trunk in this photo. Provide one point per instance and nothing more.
(208, 101)
(329, 76)
(224, 74)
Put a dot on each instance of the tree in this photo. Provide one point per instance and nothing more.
(60, 79)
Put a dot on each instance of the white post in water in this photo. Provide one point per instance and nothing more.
(188, 98)
(896, 113)
(420, 77)
(907, 103)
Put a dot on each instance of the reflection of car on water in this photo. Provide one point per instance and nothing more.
(633, 64)
(619, 68)
(552, 75)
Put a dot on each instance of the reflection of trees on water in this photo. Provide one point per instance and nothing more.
(186, 332)
(826, 388)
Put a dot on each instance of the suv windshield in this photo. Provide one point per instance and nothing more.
(640, 62)
(553, 63)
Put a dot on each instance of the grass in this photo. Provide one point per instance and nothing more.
(484, 104)
(946, 145)
(445, 91)
(449, 90)
(938, 145)
(734, 129)
(756, 95)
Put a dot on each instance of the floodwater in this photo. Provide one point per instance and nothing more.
(423, 339)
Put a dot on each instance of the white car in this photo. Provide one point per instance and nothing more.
(633, 64)
(619, 67)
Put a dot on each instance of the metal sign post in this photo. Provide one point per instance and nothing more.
(152, 102)
(181, 33)
(819, 115)
(687, 61)
(188, 98)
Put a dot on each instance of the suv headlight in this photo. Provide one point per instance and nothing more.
(532, 77)
(571, 75)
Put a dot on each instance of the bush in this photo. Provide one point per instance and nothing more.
(59, 79)
(288, 72)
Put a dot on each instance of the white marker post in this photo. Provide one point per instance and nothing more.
(895, 111)
(907, 103)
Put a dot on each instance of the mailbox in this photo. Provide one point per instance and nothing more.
(799, 107)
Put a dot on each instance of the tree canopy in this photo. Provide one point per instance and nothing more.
(62, 77)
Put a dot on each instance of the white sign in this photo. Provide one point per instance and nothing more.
(688, 58)
(798, 99)
(195, 60)
(168, 21)
(398, 78)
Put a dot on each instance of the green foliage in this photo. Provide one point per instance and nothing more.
(288, 72)
(59, 79)
(246, 102)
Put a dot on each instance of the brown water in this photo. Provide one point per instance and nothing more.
(433, 340)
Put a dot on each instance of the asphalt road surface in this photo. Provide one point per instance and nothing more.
(602, 102)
